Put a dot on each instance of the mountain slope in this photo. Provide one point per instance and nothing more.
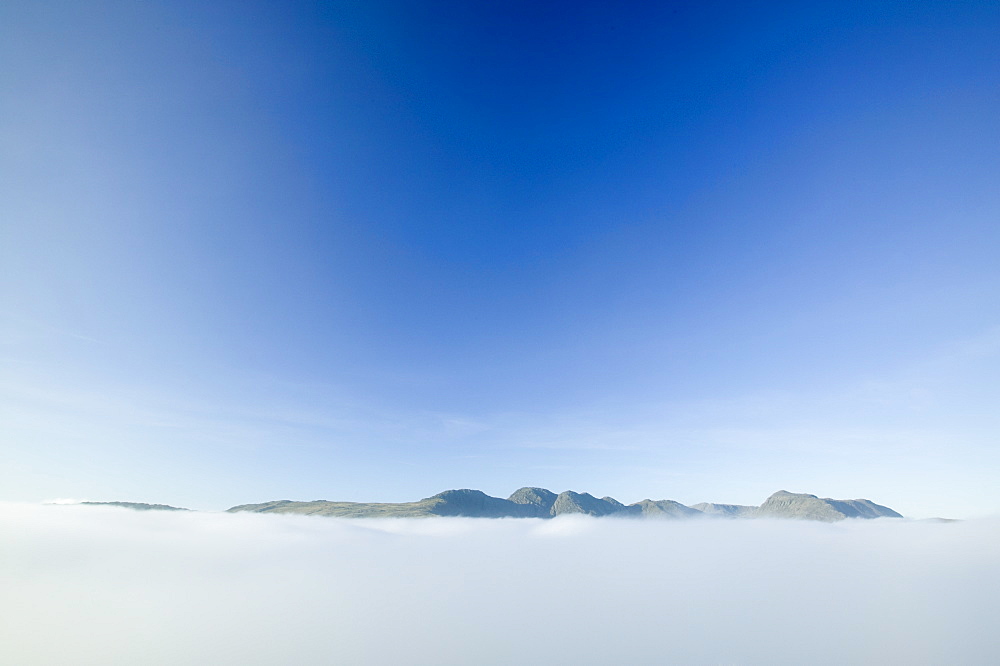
(464, 502)
(585, 503)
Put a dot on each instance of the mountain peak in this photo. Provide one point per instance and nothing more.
(784, 504)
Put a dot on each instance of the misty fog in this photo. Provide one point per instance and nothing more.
(102, 585)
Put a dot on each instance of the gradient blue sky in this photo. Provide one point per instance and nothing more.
(373, 250)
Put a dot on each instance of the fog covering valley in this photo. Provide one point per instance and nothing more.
(107, 585)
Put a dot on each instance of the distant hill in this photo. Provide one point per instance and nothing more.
(784, 504)
(662, 509)
(726, 510)
(541, 503)
(138, 506)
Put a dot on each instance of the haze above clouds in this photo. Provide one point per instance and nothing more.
(112, 586)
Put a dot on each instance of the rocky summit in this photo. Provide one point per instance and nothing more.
(541, 503)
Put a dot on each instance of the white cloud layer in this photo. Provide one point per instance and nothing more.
(101, 585)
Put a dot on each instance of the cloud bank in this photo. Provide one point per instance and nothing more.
(89, 585)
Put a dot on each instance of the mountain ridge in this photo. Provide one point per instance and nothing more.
(531, 502)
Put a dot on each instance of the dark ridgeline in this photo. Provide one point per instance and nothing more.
(138, 506)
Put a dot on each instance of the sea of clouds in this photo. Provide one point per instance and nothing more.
(104, 585)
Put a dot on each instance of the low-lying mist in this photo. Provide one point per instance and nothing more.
(101, 585)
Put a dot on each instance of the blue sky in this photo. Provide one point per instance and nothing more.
(370, 251)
